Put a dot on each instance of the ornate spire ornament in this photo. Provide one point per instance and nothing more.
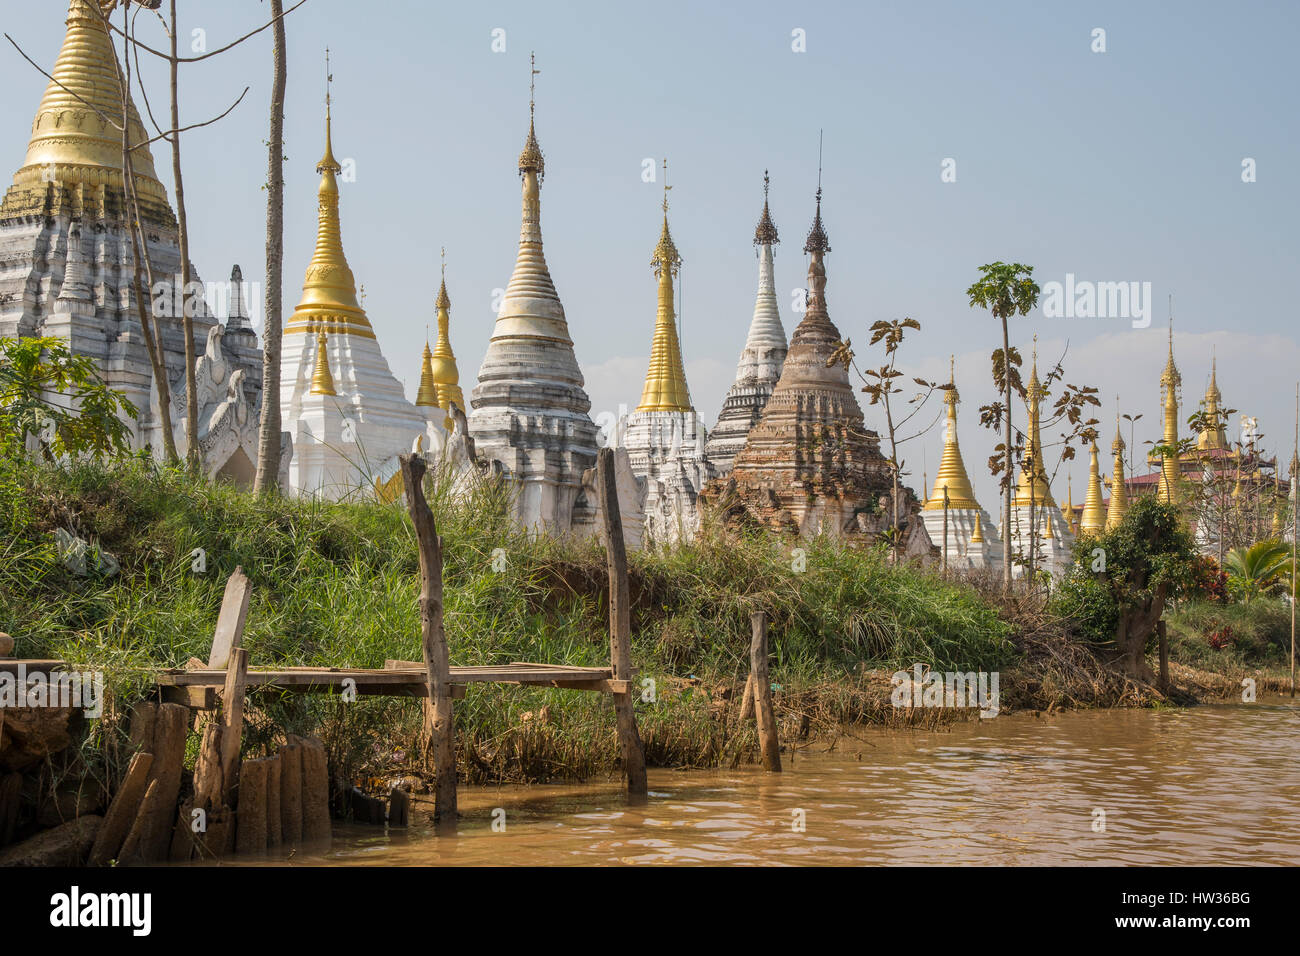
(1033, 485)
(329, 290)
(1170, 380)
(665, 387)
(1214, 437)
(1118, 489)
(427, 395)
(765, 232)
(322, 382)
(977, 536)
(444, 371)
(952, 470)
(531, 159)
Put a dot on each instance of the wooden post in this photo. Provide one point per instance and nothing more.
(291, 791)
(399, 808)
(272, 800)
(232, 723)
(230, 621)
(747, 700)
(433, 640)
(170, 730)
(250, 823)
(620, 622)
(767, 738)
(121, 812)
(315, 791)
(1163, 633)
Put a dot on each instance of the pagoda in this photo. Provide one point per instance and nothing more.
(69, 266)
(530, 412)
(349, 417)
(439, 377)
(810, 466)
(664, 437)
(952, 504)
(761, 360)
(1038, 529)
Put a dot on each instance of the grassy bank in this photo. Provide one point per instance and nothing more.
(337, 585)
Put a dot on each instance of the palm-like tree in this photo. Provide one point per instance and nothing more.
(1263, 567)
(1005, 290)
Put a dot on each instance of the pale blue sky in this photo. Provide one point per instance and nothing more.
(1123, 165)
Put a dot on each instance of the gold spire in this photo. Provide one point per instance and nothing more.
(665, 382)
(322, 382)
(1170, 380)
(1093, 520)
(1118, 490)
(329, 290)
(428, 392)
(1214, 437)
(1033, 477)
(445, 373)
(952, 470)
(76, 140)
(765, 233)
(1069, 505)
(977, 536)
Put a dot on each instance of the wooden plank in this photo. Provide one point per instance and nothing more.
(290, 678)
(171, 728)
(767, 738)
(197, 697)
(433, 641)
(620, 622)
(230, 621)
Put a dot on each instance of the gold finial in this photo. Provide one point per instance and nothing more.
(765, 233)
(665, 254)
(428, 391)
(1093, 519)
(666, 187)
(328, 162)
(443, 371)
(1033, 477)
(531, 159)
(322, 382)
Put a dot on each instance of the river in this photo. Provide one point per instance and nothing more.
(1207, 785)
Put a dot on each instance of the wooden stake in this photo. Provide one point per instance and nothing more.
(121, 812)
(133, 844)
(315, 791)
(170, 730)
(747, 701)
(399, 808)
(1163, 633)
(232, 723)
(767, 737)
(433, 640)
(230, 621)
(620, 622)
(250, 829)
(272, 800)
(291, 791)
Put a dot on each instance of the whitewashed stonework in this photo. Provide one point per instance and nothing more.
(666, 453)
(529, 407)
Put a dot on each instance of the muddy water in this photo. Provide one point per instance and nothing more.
(1211, 785)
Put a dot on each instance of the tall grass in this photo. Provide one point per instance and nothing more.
(337, 584)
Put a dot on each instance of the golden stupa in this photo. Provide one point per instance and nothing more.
(322, 382)
(952, 470)
(1093, 519)
(1032, 489)
(665, 387)
(1118, 489)
(75, 150)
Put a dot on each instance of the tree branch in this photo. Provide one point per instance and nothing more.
(196, 59)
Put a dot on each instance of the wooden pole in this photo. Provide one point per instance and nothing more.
(170, 730)
(767, 738)
(620, 622)
(291, 791)
(747, 700)
(232, 723)
(250, 823)
(944, 553)
(433, 640)
(230, 620)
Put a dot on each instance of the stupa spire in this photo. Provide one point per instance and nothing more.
(329, 290)
(1118, 490)
(1093, 519)
(665, 387)
(1033, 477)
(427, 395)
(952, 470)
(445, 374)
(1170, 380)
(1213, 437)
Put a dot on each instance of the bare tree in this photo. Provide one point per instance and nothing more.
(268, 450)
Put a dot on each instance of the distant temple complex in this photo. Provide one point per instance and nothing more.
(790, 453)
